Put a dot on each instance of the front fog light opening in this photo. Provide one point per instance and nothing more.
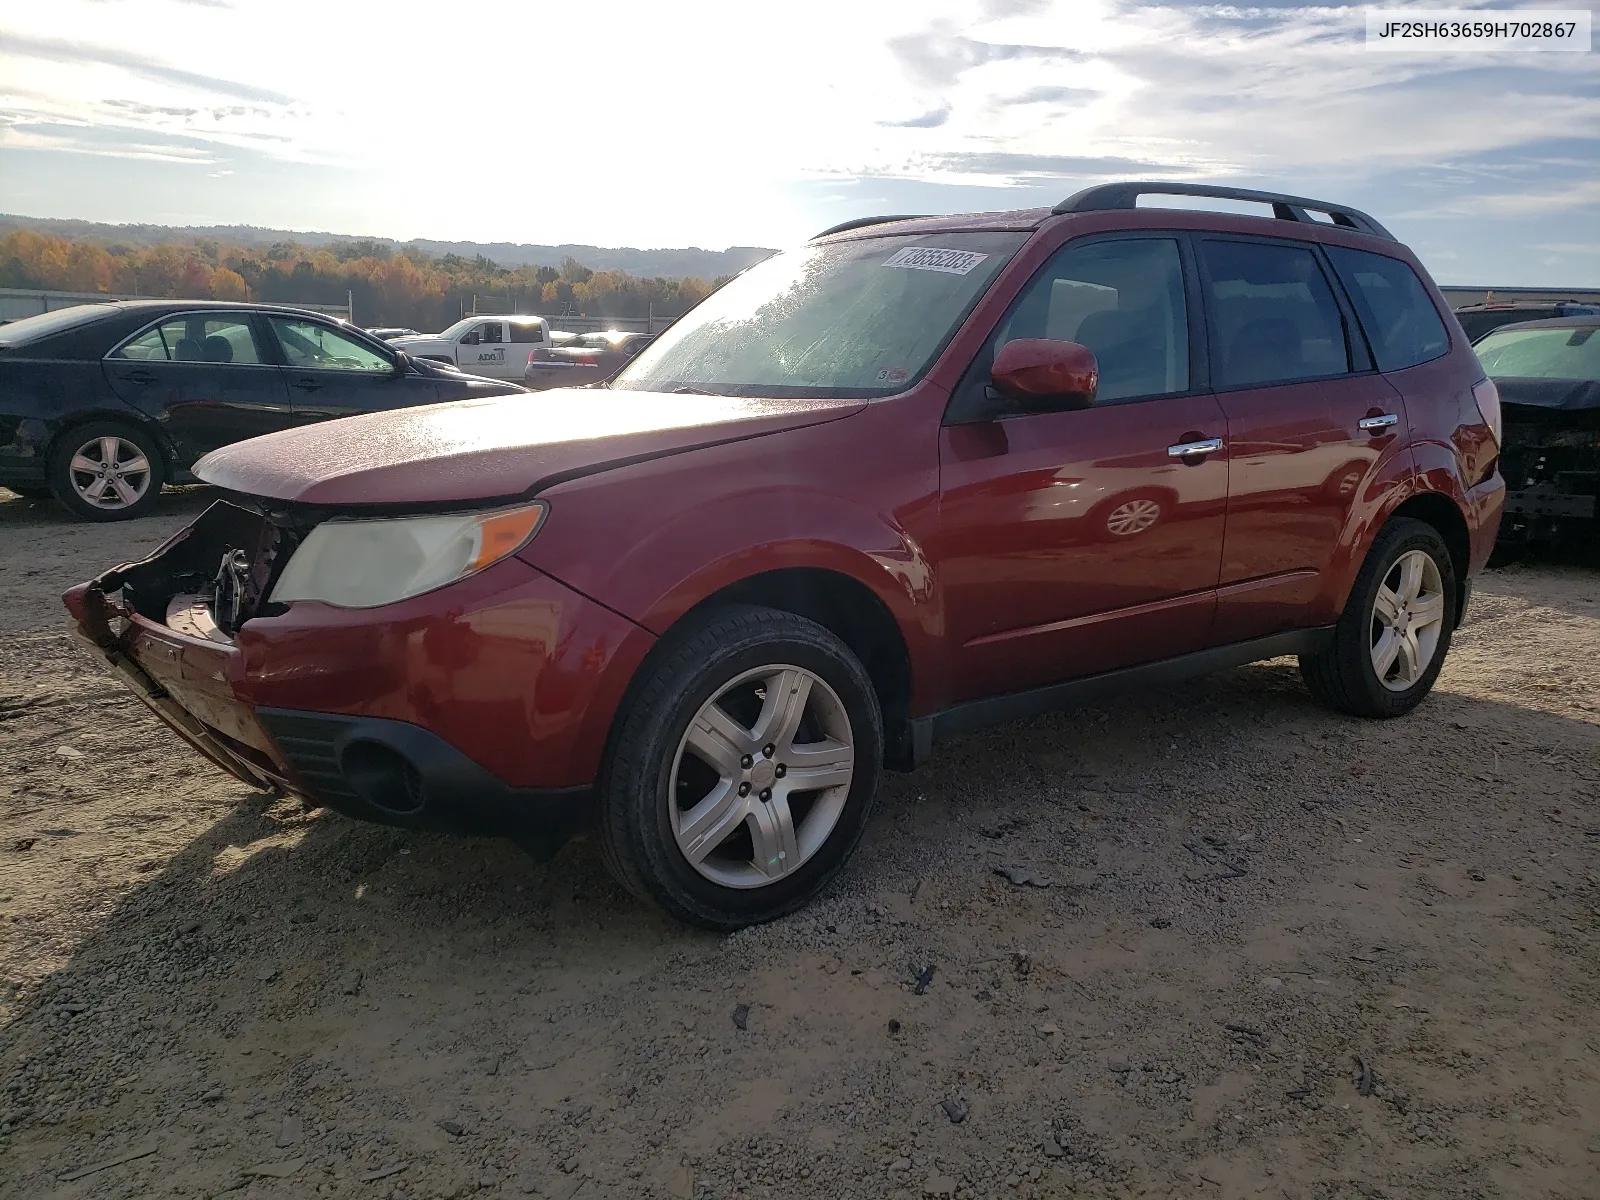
(384, 778)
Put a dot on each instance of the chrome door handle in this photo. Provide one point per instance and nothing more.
(1383, 422)
(1189, 449)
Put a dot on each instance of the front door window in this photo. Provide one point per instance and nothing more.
(1124, 301)
(312, 346)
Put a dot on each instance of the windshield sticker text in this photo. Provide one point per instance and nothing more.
(927, 258)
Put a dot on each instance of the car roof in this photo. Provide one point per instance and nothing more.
(1592, 321)
(1194, 220)
(134, 306)
(1020, 220)
(1109, 207)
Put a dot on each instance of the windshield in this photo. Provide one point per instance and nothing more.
(30, 329)
(860, 318)
(458, 328)
(1542, 354)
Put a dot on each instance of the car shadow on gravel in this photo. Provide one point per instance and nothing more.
(391, 987)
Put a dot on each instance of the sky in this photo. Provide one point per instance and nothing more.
(654, 123)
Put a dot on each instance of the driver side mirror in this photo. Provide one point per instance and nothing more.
(402, 363)
(1046, 375)
(471, 339)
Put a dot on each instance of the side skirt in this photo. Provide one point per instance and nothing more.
(924, 733)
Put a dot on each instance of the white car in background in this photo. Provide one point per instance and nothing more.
(495, 346)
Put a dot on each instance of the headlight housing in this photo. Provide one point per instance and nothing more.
(365, 563)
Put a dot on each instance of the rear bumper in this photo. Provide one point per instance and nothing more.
(544, 376)
(480, 708)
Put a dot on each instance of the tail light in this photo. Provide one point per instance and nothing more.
(1488, 399)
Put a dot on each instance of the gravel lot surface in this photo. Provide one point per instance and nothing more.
(1281, 953)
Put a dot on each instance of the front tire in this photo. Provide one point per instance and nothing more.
(743, 769)
(1391, 640)
(107, 471)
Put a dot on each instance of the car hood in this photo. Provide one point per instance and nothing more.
(473, 450)
(411, 341)
(1568, 394)
(434, 369)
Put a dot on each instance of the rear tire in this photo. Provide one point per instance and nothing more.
(107, 471)
(1399, 617)
(712, 714)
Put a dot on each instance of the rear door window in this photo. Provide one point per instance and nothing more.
(525, 333)
(194, 338)
(1273, 315)
(1402, 325)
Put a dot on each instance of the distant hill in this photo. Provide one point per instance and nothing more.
(691, 260)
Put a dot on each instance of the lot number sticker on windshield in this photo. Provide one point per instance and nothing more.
(927, 258)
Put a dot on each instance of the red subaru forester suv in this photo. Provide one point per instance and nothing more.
(917, 476)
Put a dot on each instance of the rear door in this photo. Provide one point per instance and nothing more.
(523, 338)
(1075, 542)
(1310, 421)
(331, 373)
(204, 378)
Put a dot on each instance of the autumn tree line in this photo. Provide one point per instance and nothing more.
(386, 286)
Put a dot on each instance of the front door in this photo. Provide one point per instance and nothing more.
(331, 374)
(1309, 422)
(1076, 542)
(203, 378)
(483, 351)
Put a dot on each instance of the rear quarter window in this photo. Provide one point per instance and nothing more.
(1402, 324)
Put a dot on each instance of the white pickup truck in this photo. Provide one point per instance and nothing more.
(496, 346)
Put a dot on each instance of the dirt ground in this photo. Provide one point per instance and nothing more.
(1282, 954)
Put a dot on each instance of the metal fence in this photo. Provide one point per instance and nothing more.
(16, 303)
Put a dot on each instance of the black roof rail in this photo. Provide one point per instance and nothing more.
(1284, 208)
(863, 222)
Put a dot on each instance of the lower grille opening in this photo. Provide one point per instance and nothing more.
(383, 778)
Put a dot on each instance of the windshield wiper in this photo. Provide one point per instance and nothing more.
(684, 389)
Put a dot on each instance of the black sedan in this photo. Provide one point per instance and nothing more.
(101, 404)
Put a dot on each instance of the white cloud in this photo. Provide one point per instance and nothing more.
(697, 121)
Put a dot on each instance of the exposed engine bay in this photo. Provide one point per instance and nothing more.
(1551, 464)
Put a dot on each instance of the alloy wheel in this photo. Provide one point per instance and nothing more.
(1407, 619)
(109, 472)
(761, 776)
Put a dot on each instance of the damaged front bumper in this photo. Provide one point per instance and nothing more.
(182, 667)
(480, 708)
